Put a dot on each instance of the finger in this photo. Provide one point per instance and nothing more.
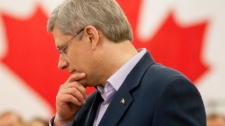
(80, 88)
(76, 85)
(75, 92)
(76, 77)
(78, 94)
(67, 98)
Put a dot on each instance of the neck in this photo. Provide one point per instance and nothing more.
(114, 56)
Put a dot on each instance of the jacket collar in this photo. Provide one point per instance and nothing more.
(123, 98)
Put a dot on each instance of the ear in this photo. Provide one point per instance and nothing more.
(92, 36)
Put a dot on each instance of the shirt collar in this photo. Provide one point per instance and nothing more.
(118, 78)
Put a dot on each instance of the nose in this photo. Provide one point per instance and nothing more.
(62, 64)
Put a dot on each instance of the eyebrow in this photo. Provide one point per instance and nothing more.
(57, 47)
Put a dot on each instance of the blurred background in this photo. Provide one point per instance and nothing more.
(187, 35)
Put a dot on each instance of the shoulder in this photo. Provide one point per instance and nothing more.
(161, 76)
(173, 93)
(163, 83)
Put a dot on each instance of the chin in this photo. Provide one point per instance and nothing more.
(83, 82)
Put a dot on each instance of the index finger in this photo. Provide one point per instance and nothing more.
(75, 77)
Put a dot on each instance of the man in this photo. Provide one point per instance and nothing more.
(215, 120)
(94, 41)
(10, 118)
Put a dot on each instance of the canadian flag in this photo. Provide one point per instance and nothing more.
(188, 35)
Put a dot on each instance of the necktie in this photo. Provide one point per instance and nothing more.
(93, 110)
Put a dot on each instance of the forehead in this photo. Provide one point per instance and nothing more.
(56, 31)
(58, 34)
(59, 37)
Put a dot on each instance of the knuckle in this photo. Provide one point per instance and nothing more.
(73, 90)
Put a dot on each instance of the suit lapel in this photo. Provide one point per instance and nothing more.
(116, 108)
(93, 110)
(123, 98)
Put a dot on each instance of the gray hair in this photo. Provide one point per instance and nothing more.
(106, 15)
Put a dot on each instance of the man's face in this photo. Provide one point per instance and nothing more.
(10, 120)
(79, 56)
(217, 121)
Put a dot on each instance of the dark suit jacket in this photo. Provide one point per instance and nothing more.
(154, 96)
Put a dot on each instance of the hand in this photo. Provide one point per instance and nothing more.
(71, 96)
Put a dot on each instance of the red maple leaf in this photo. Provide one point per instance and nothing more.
(178, 47)
(173, 45)
(32, 55)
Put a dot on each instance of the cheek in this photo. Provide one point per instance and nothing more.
(79, 60)
(81, 57)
